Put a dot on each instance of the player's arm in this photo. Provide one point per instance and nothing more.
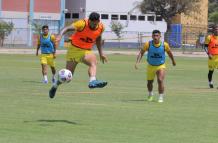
(207, 41)
(169, 52)
(63, 31)
(53, 39)
(103, 58)
(38, 46)
(141, 53)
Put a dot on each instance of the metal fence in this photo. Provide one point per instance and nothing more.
(19, 38)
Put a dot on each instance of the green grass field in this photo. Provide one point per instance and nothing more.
(118, 113)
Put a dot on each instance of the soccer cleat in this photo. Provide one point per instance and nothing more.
(52, 92)
(97, 84)
(150, 98)
(211, 85)
(53, 80)
(160, 100)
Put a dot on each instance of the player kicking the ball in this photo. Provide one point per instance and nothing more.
(87, 33)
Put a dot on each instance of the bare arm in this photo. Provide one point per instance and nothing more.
(206, 50)
(63, 31)
(103, 58)
(170, 54)
(38, 46)
(139, 58)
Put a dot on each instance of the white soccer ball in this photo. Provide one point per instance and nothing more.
(64, 76)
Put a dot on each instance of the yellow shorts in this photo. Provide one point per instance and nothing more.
(151, 71)
(47, 59)
(76, 54)
(213, 63)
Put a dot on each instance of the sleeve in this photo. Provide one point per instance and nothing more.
(79, 25)
(207, 40)
(166, 46)
(146, 46)
(52, 37)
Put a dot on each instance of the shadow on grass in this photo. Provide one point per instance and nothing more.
(31, 81)
(53, 121)
(135, 100)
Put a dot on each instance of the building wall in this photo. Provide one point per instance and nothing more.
(17, 11)
(15, 5)
(196, 21)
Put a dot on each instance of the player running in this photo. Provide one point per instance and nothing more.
(156, 63)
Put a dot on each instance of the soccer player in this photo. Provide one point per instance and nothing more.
(47, 44)
(156, 63)
(87, 32)
(211, 48)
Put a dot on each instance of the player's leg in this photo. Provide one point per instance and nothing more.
(51, 63)
(44, 66)
(150, 79)
(210, 77)
(160, 80)
(150, 89)
(45, 73)
(70, 65)
(210, 72)
(53, 70)
(91, 61)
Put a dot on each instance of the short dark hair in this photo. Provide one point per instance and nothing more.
(44, 26)
(94, 16)
(156, 32)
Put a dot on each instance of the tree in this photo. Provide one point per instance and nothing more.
(214, 17)
(167, 9)
(5, 30)
(117, 28)
(37, 28)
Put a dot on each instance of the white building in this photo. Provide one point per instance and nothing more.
(123, 11)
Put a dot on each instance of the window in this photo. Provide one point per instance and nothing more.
(133, 17)
(150, 18)
(67, 15)
(141, 18)
(104, 16)
(75, 15)
(114, 17)
(159, 18)
(123, 17)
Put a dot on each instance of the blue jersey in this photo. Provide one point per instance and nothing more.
(46, 45)
(156, 55)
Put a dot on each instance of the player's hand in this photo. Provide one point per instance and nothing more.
(54, 55)
(210, 56)
(58, 39)
(103, 58)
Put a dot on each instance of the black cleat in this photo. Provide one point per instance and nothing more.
(52, 92)
(211, 85)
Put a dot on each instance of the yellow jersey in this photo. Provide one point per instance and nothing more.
(166, 46)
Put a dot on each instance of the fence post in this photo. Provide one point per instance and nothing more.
(30, 43)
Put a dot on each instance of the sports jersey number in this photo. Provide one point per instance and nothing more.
(87, 40)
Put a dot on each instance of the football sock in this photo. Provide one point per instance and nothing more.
(92, 78)
(210, 74)
(45, 77)
(150, 93)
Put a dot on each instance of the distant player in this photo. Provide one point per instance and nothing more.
(87, 34)
(156, 63)
(46, 42)
(211, 48)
